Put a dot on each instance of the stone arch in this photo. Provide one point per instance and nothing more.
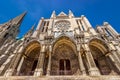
(101, 44)
(64, 57)
(66, 38)
(30, 58)
(99, 49)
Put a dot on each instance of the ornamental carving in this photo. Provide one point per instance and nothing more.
(62, 25)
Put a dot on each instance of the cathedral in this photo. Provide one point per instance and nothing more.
(63, 47)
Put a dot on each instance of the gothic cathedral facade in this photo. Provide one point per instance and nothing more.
(63, 45)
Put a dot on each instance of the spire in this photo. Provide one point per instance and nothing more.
(53, 14)
(29, 33)
(32, 28)
(18, 19)
(71, 13)
(15, 21)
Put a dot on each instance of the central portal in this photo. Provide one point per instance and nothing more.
(64, 59)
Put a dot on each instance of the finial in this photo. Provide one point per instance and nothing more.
(53, 14)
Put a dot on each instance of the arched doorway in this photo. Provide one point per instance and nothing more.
(99, 49)
(64, 57)
(30, 56)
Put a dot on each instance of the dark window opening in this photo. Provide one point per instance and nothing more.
(96, 62)
(82, 25)
(6, 35)
(62, 67)
(47, 23)
(102, 38)
(46, 29)
(8, 27)
(108, 33)
(68, 65)
(34, 66)
(77, 22)
(44, 23)
(43, 29)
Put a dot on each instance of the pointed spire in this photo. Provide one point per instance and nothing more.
(18, 19)
(53, 14)
(32, 28)
(62, 14)
(71, 13)
(29, 33)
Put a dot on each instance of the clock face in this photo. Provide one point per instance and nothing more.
(62, 25)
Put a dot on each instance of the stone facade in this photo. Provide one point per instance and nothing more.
(63, 45)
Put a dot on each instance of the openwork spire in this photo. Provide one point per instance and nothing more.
(18, 20)
(29, 33)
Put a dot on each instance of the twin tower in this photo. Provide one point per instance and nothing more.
(63, 45)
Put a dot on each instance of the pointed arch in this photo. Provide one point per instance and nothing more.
(30, 46)
(30, 58)
(64, 40)
(99, 50)
(99, 43)
(64, 57)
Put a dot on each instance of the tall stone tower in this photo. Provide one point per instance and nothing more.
(63, 45)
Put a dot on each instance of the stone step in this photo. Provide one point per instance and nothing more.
(61, 78)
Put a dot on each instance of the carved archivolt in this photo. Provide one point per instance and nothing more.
(31, 46)
(65, 50)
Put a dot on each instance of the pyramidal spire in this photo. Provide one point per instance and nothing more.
(53, 14)
(71, 13)
(18, 19)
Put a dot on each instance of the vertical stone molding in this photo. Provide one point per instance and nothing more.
(19, 66)
(37, 31)
(109, 27)
(114, 61)
(2, 67)
(49, 61)
(14, 63)
(39, 68)
(81, 65)
(114, 52)
(93, 70)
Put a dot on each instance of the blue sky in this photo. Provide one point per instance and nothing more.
(97, 11)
